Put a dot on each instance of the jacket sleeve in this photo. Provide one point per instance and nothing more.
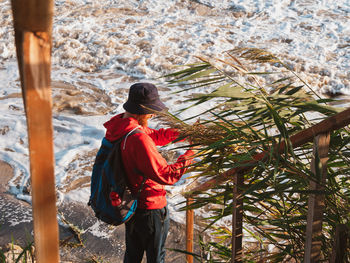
(151, 163)
(162, 136)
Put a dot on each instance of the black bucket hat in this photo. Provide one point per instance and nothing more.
(143, 99)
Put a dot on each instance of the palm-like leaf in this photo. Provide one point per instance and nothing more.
(256, 110)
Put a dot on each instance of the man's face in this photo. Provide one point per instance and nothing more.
(143, 119)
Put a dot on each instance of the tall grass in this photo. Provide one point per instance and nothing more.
(17, 253)
(260, 101)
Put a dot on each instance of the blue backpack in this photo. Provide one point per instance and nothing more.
(111, 198)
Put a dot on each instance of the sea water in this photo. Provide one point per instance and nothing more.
(100, 48)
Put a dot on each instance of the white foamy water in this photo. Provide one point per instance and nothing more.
(101, 47)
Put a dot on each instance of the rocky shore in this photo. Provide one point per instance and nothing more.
(77, 243)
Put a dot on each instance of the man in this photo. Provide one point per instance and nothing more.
(148, 228)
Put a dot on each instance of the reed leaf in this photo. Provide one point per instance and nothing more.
(260, 102)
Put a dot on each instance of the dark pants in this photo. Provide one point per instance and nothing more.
(146, 231)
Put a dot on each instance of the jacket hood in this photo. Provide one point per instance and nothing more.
(119, 126)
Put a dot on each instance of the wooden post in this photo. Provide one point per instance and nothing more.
(33, 25)
(189, 230)
(340, 244)
(237, 219)
(316, 201)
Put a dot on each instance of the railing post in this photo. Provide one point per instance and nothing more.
(33, 26)
(189, 230)
(316, 200)
(340, 244)
(237, 219)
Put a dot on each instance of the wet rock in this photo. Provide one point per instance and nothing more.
(145, 46)
(130, 21)
(81, 99)
(4, 130)
(203, 10)
(14, 108)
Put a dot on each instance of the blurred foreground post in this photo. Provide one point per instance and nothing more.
(316, 200)
(340, 244)
(237, 218)
(189, 230)
(33, 25)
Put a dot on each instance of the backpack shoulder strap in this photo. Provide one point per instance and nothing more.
(125, 137)
(132, 132)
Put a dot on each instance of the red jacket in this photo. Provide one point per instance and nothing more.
(140, 152)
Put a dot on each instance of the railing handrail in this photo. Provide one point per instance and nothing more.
(332, 123)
